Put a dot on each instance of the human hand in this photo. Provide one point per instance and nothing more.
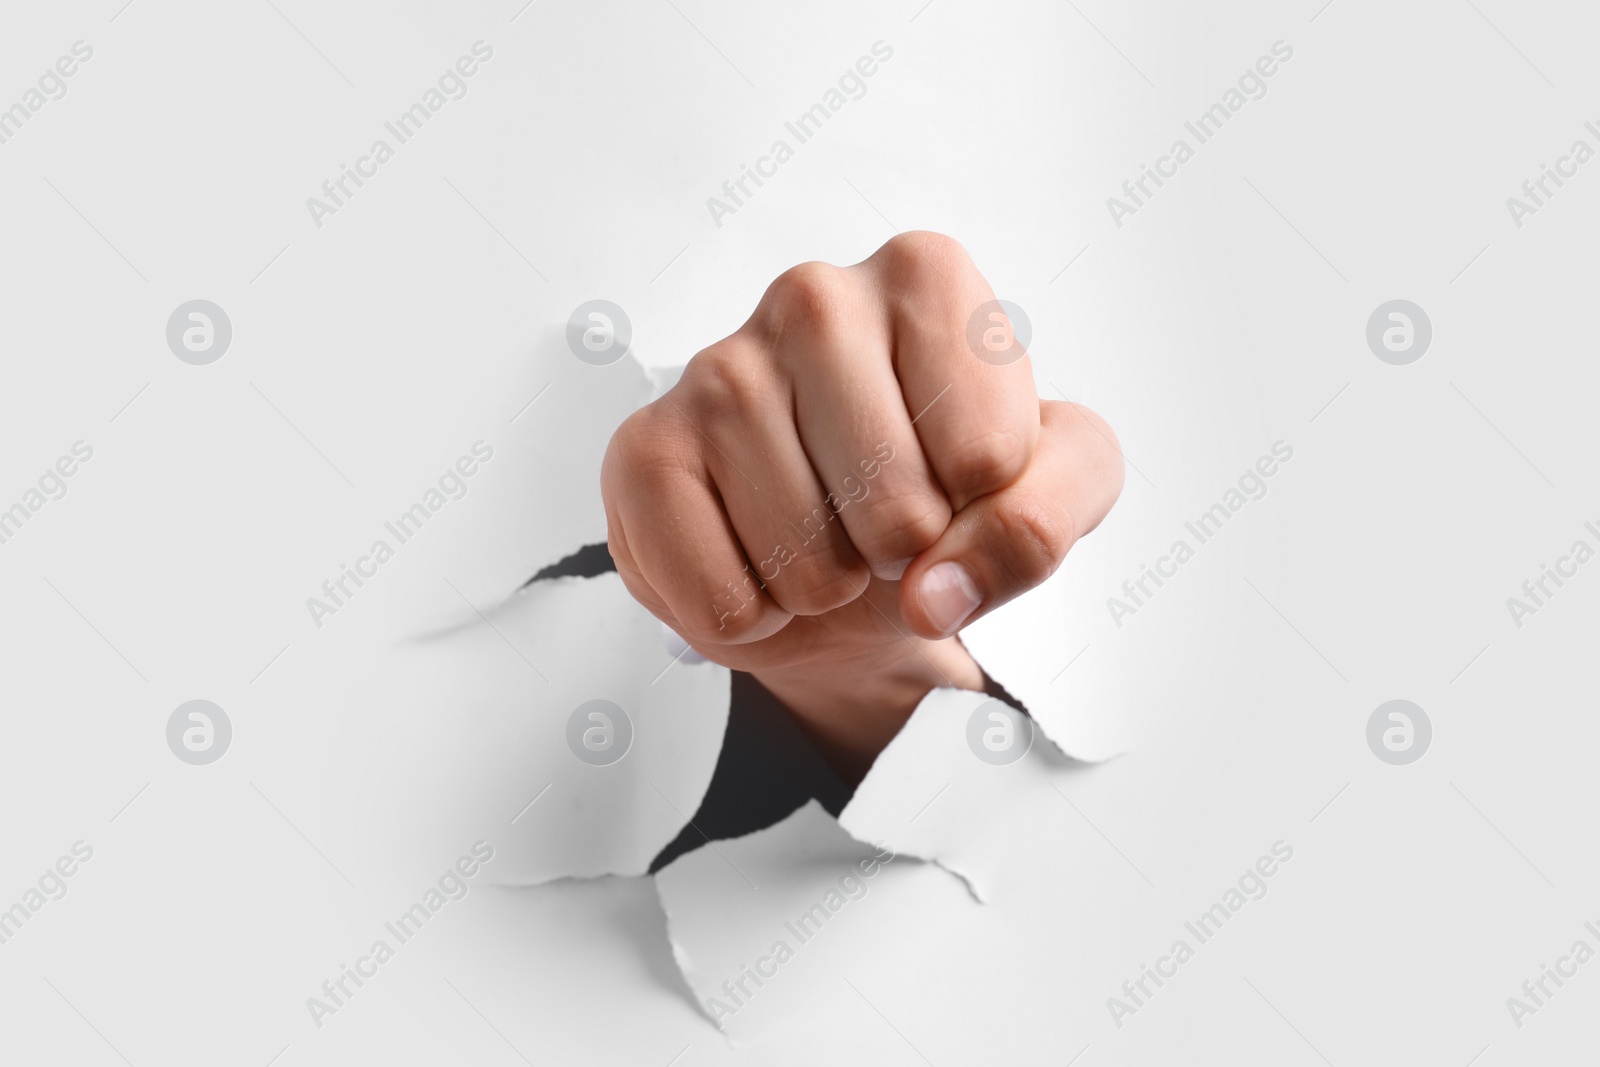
(831, 493)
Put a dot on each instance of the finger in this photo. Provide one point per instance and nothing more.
(976, 416)
(667, 521)
(785, 520)
(1001, 545)
(830, 332)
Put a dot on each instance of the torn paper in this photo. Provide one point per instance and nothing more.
(549, 432)
(763, 926)
(963, 765)
(555, 725)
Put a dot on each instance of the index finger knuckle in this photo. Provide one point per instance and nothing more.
(1033, 537)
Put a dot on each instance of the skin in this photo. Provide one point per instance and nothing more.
(855, 616)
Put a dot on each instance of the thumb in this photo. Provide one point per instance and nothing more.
(1004, 543)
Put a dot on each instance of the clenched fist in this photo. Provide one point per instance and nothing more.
(830, 494)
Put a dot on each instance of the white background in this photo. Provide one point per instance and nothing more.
(368, 354)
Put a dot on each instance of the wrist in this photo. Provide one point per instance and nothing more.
(851, 710)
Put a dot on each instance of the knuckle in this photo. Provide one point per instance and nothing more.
(805, 299)
(731, 614)
(1111, 457)
(1034, 539)
(1096, 443)
(1093, 416)
(986, 463)
(1080, 423)
(900, 527)
(724, 382)
(819, 588)
(633, 446)
(922, 256)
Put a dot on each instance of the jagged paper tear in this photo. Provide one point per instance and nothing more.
(930, 795)
(763, 925)
(735, 909)
(467, 721)
(469, 733)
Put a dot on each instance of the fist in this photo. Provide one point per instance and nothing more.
(843, 484)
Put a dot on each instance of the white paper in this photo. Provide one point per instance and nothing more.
(764, 925)
(929, 795)
(467, 729)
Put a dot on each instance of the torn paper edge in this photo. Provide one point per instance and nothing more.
(682, 952)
